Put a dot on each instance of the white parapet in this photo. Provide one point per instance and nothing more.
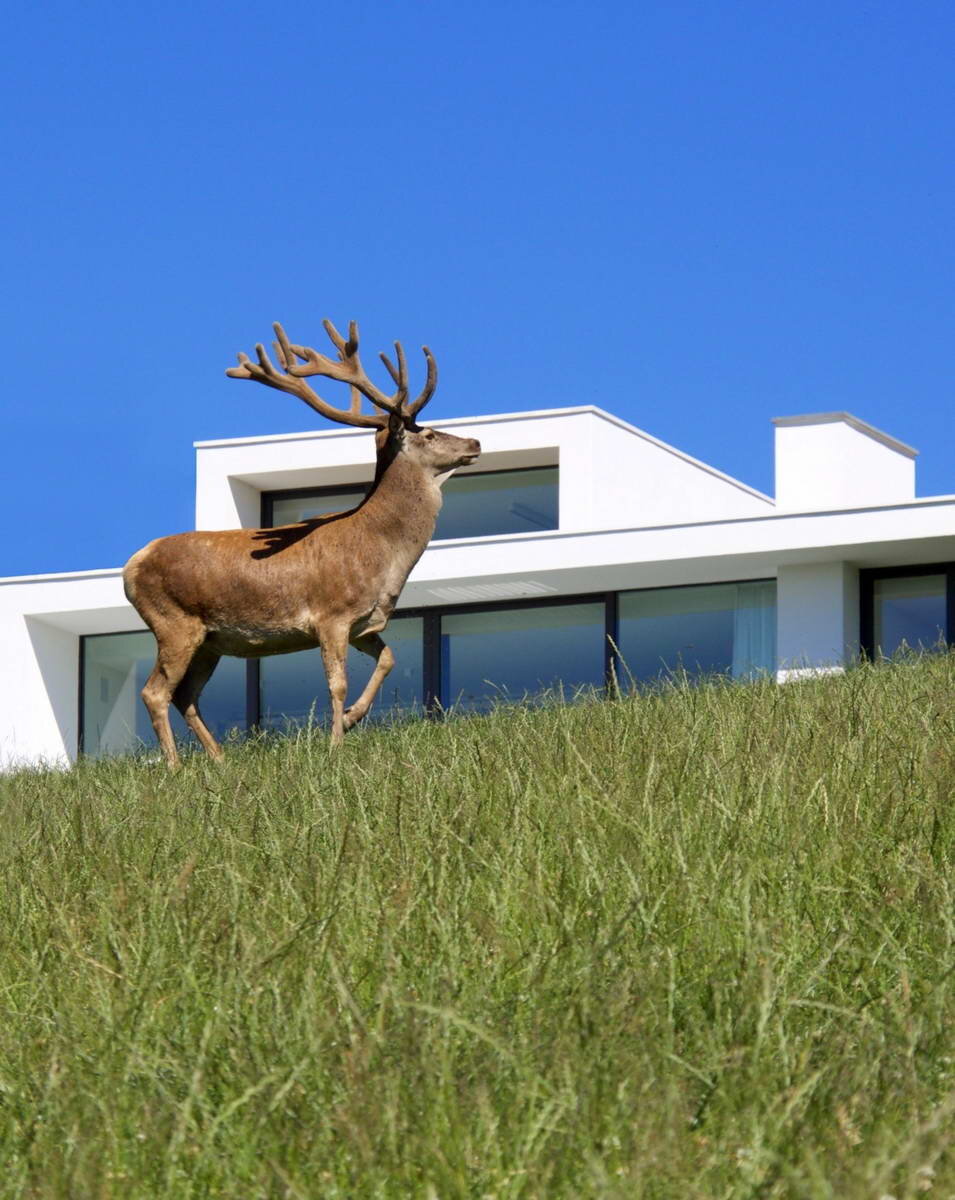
(828, 461)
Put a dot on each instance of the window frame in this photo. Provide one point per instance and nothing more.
(868, 576)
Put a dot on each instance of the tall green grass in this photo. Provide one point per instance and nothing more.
(695, 943)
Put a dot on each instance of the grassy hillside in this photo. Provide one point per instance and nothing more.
(693, 944)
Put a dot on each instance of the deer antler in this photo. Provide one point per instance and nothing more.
(430, 383)
(264, 371)
(346, 369)
(400, 376)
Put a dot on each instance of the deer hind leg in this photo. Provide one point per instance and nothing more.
(334, 648)
(177, 646)
(372, 645)
(186, 697)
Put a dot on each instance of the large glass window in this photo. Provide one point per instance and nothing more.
(293, 689)
(727, 629)
(515, 653)
(289, 510)
(498, 502)
(115, 721)
(491, 502)
(908, 611)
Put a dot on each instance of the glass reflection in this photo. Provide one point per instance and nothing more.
(516, 653)
(115, 721)
(293, 690)
(481, 505)
(287, 510)
(498, 502)
(727, 629)
(909, 612)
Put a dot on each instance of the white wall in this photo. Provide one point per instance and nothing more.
(817, 617)
(41, 620)
(623, 496)
(637, 481)
(38, 709)
(832, 460)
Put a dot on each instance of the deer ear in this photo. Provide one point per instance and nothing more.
(395, 424)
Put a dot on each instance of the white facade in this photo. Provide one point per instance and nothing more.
(635, 513)
(833, 460)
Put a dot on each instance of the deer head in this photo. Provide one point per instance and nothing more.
(395, 422)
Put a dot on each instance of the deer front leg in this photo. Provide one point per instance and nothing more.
(372, 645)
(334, 648)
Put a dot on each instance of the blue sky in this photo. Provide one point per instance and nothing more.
(697, 215)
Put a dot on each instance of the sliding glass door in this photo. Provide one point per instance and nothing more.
(469, 658)
(293, 691)
(907, 608)
(716, 629)
(113, 718)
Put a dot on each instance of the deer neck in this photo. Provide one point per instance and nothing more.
(403, 506)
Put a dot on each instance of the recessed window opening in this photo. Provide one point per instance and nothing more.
(488, 503)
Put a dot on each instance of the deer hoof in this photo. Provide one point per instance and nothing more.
(352, 717)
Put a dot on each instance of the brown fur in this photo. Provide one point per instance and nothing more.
(324, 582)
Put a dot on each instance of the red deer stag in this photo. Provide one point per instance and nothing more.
(326, 581)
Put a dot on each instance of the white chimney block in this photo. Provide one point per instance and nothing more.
(834, 460)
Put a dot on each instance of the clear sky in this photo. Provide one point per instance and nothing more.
(697, 215)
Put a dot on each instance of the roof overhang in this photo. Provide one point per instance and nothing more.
(707, 552)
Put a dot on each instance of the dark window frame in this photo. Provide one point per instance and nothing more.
(867, 580)
(431, 639)
(81, 706)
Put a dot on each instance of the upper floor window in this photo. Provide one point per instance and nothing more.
(478, 505)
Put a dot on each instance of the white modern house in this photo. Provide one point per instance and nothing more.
(575, 537)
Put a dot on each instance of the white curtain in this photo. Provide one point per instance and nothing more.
(754, 629)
